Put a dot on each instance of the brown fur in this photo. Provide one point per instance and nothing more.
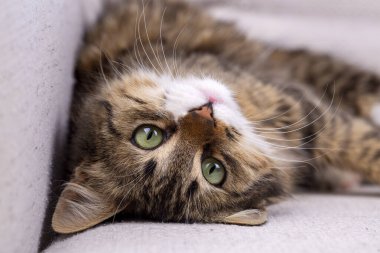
(321, 124)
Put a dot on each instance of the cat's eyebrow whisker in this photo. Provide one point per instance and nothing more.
(135, 44)
(140, 39)
(109, 86)
(159, 48)
(149, 42)
(175, 63)
(162, 46)
(101, 68)
(116, 71)
(125, 67)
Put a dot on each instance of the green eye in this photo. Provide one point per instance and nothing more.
(213, 171)
(148, 137)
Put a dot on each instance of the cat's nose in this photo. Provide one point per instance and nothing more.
(205, 111)
(198, 126)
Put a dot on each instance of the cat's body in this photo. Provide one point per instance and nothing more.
(167, 65)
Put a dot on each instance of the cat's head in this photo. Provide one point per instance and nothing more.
(170, 149)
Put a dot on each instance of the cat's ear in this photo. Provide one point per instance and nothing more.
(79, 208)
(250, 217)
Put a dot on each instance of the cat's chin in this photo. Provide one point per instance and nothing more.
(186, 93)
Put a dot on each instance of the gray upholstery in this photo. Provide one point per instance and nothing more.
(307, 223)
(38, 43)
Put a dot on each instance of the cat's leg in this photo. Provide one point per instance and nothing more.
(326, 136)
(355, 90)
(347, 142)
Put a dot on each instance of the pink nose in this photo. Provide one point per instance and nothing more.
(212, 99)
(205, 111)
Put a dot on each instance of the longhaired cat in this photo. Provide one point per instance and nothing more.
(179, 117)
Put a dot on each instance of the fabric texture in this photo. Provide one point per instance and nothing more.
(306, 223)
(38, 45)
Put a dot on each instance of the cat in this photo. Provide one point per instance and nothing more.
(179, 117)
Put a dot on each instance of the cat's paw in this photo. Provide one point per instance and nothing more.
(340, 180)
(347, 182)
(329, 179)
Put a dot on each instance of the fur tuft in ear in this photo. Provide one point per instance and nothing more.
(250, 217)
(79, 208)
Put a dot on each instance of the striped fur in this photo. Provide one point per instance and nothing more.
(291, 111)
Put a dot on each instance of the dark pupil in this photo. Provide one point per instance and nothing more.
(150, 134)
(212, 169)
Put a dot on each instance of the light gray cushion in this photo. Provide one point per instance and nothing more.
(38, 44)
(306, 223)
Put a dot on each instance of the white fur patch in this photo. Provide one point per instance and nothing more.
(184, 94)
(375, 114)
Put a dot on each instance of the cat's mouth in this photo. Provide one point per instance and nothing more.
(188, 93)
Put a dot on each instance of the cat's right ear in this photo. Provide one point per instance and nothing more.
(79, 207)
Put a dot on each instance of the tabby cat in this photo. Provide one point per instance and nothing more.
(179, 117)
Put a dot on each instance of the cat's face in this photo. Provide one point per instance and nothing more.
(167, 149)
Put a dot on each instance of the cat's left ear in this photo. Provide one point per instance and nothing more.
(250, 217)
(79, 208)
